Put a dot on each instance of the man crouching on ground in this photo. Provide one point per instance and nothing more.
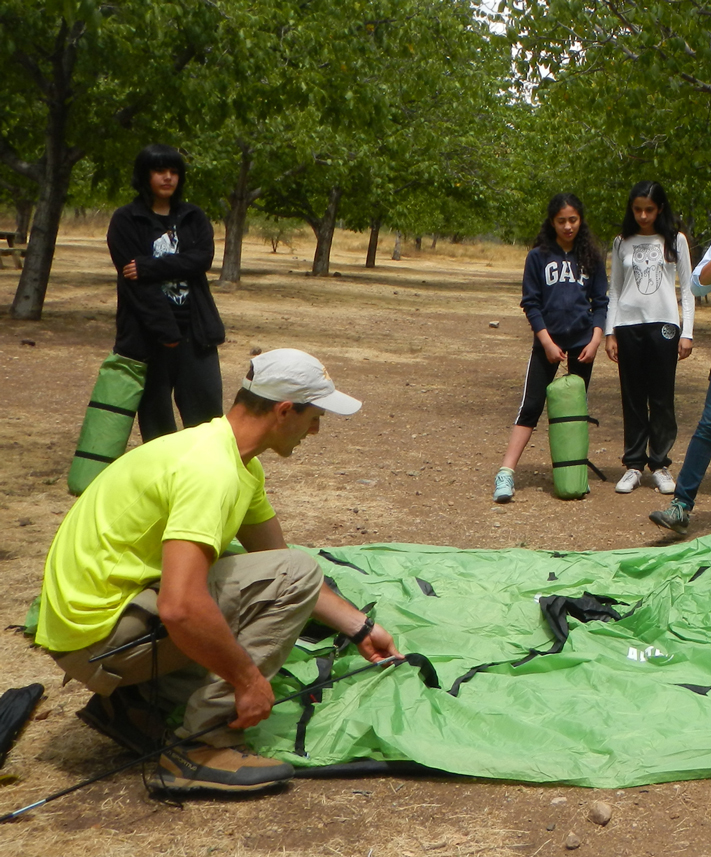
(138, 549)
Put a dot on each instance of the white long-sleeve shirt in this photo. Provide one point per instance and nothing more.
(643, 284)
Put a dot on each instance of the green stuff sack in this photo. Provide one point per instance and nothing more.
(108, 420)
(568, 436)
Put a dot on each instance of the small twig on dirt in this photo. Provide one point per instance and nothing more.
(542, 846)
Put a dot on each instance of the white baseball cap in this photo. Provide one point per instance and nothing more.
(290, 375)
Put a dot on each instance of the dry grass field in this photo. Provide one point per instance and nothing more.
(440, 387)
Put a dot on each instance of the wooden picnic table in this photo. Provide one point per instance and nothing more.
(17, 253)
(10, 237)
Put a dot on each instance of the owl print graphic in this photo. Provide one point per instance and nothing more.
(647, 264)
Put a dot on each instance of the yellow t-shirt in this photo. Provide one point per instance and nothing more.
(190, 485)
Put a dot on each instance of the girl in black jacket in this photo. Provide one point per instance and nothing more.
(166, 316)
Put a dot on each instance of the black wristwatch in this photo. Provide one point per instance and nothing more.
(360, 635)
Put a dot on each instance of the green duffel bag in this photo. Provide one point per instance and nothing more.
(568, 437)
(109, 419)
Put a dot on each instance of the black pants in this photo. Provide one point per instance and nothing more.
(190, 373)
(539, 375)
(647, 355)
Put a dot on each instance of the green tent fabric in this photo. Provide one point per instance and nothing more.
(610, 710)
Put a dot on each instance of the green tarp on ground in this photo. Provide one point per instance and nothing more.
(607, 711)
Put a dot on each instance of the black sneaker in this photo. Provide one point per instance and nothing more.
(126, 718)
(200, 766)
(675, 517)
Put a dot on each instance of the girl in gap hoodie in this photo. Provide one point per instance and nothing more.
(565, 301)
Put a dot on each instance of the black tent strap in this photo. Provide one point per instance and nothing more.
(114, 409)
(577, 462)
(555, 609)
(310, 699)
(92, 456)
(572, 463)
(701, 689)
(336, 561)
(701, 569)
(426, 587)
(578, 418)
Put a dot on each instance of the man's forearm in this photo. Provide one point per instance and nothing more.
(337, 613)
(206, 638)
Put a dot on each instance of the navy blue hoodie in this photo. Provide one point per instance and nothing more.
(560, 298)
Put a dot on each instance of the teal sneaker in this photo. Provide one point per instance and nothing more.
(676, 517)
(504, 486)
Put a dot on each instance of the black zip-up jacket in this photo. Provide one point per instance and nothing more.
(144, 317)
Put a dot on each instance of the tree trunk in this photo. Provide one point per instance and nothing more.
(23, 218)
(434, 241)
(52, 172)
(373, 242)
(240, 200)
(418, 242)
(32, 288)
(396, 248)
(323, 229)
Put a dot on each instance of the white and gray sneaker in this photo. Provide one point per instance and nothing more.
(663, 481)
(504, 485)
(631, 480)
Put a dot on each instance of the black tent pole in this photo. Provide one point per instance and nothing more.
(10, 816)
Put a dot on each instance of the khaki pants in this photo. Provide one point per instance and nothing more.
(266, 598)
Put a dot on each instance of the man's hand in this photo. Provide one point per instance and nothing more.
(685, 346)
(199, 630)
(611, 347)
(342, 616)
(130, 271)
(378, 645)
(253, 702)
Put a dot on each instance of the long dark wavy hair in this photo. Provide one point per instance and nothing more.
(664, 225)
(585, 245)
(157, 157)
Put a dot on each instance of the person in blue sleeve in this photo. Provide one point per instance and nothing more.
(698, 454)
(166, 316)
(565, 301)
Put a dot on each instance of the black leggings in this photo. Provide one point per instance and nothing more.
(190, 373)
(647, 355)
(539, 375)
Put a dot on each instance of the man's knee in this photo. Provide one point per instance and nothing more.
(305, 571)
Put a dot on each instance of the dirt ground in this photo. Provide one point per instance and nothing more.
(414, 340)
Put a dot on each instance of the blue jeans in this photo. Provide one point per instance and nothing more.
(697, 458)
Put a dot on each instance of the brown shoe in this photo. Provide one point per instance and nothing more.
(127, 718)
(200, 766)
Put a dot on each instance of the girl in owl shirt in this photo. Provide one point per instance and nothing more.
(565, 301)
(643, 331)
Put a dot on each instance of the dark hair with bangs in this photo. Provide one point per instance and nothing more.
(157, 157)
(585, 246)
(664, 225)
